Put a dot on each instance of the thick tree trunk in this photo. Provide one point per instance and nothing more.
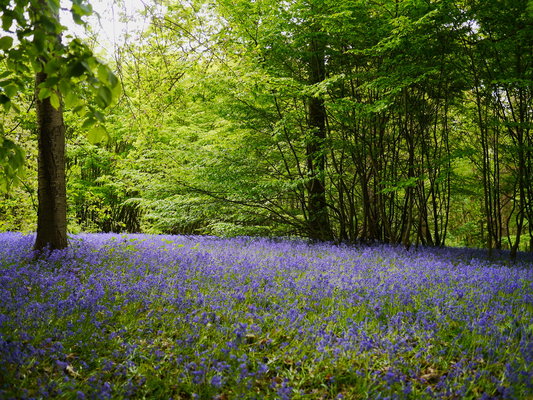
(52, 210)
(319, 225)
(319, 228)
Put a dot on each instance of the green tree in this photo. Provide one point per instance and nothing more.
(499, 43)
(63, 72)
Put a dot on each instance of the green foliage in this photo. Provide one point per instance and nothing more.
(101, 198)
(11, 163)
(72, 72)
(426, 103)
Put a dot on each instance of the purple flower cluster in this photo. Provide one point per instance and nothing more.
(129, 316)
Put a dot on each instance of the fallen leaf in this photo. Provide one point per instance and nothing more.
(70, 370)
(430, 376)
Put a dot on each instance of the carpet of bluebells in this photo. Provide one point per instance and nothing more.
(174, 317)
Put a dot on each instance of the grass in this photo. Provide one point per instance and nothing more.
(159, 317)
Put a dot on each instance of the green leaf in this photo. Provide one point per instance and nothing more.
(103, 73)
(87, 9)
(65, 86)
(52, 66)
(80, 9)
(54, 5)
(6, 42)
(76, 17)
(11, 90)
(77, 69)
(104, 97)
(106, 76)
(51, 82)
(112, 79)
(80, 110)
(117, 91)
(71, 99)
(99, 116)
(90, 121)
(7, 21)
(12, 163)
(97, 134)
(44, 93)
(39, 43)
(54, 100)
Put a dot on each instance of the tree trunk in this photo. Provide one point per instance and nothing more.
(52, 210)
(319, 225)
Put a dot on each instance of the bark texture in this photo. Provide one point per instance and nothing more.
(52, 210)
(318, 223)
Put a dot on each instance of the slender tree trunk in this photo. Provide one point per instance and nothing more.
(522, 193)
(408, 208)
(448, 185)
(52, 209)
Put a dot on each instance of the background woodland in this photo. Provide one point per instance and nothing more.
(398, 121)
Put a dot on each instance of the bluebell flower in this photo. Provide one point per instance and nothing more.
(216, 381)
